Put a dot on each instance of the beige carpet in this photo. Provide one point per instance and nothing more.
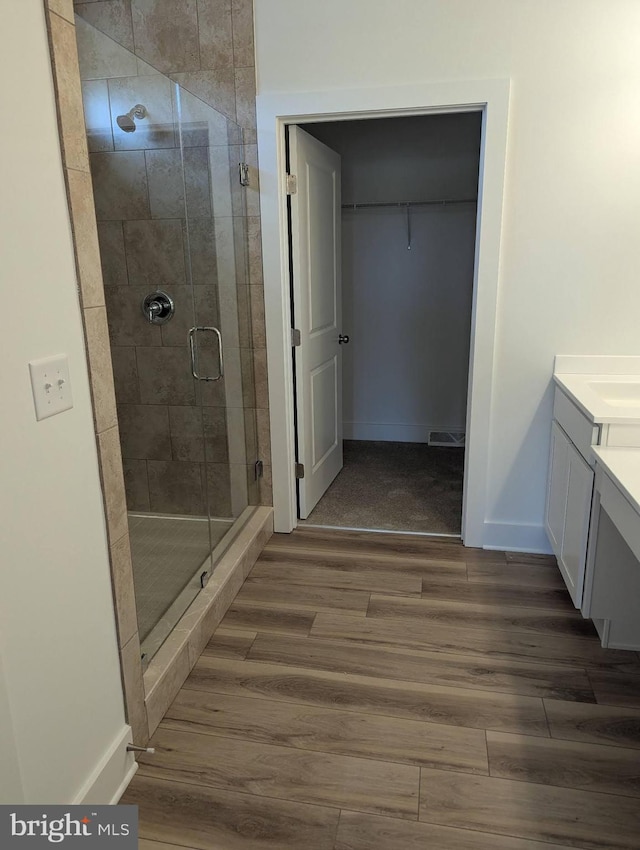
(395, 487)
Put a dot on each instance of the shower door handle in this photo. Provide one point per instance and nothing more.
(192, 352)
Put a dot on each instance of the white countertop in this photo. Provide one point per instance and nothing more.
(623, 468)
(582, 389)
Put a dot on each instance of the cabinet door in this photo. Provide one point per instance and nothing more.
(576, 526)
(557, 490)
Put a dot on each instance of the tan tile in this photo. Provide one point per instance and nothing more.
(64, 8)
(218, 493)
(246, 97)
(166, 34)
(69, 93)
(132, 683)
(123, 590)
(186, 427)
(97, 117)
(214, 24)
(248, 380)
(253, 189)
(155, 253)
(243, 311)
(120, 185)
(175, 191)
(156, 129)
(100, 56)
(250, 434)
(239, 489)
(166, 183)
(175, 487)
(253, 487)
(215, 88)
(125, 374)
(165, 675)
(112, 18)
(100, 373)
(175, 332)
(164, 376)
(127, 324)
(222, 598)
(243, 49)
(112, 255)
(260, 378)
(264, 436)
(136, 484)
(266, 486)
(144, 431)
(85, 237)
(202, 252)
(254, 240)
(113, 483)
(258, 329)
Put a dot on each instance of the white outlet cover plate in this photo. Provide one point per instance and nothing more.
(51, 385)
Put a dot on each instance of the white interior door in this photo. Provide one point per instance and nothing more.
(317, 298)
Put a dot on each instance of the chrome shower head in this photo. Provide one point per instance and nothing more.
(126, 122)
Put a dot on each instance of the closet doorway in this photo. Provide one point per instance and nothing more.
(382, 403)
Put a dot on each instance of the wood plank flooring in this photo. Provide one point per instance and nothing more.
(386, 692)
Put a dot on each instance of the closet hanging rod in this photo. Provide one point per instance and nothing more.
(402, 204)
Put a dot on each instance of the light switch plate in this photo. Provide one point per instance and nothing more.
(51, 385)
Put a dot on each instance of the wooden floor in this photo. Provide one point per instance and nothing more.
(381, 692)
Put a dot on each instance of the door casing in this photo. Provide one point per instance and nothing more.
(274, 112)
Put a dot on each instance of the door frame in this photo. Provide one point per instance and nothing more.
(274, 112)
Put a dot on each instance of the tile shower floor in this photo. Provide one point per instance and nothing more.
(167, 554)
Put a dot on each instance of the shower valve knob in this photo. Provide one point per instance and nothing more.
(158, 308)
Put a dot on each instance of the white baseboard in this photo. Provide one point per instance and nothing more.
(392, 432)
(111, 776)
(515, 537)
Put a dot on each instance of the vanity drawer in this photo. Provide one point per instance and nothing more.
(582, 433)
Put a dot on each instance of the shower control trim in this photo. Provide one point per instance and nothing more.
(158, 307)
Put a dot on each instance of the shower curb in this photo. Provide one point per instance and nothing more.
(175, 659)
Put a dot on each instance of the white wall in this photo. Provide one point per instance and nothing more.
(570, 250)
(408, 312)
(60, 683)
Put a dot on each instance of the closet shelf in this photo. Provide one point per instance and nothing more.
(402, 204)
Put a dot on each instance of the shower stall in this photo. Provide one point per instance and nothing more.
(168, 170)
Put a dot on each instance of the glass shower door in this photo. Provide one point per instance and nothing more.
(173, 231)
(220, 338)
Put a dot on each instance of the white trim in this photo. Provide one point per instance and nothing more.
(516, 537)
(306, 524)
(394, 432)
(276, 110)
(111, 776)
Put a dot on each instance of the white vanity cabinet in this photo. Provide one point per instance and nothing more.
(612, 581)
(596, 405)
(570, 491)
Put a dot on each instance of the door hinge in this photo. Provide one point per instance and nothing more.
(258, 469)
(292, 184)
(243, 173)
(295, 337)
(299, 470)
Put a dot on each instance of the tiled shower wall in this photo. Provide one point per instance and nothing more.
(207, 46)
